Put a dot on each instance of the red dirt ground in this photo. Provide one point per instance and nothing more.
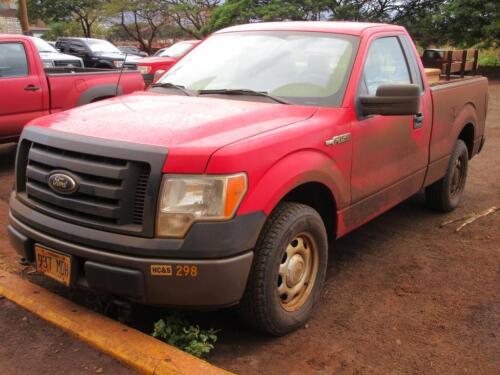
(402, 296)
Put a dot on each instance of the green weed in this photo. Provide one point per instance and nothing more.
(178, 332)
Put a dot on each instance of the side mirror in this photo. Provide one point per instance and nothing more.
(391, 100)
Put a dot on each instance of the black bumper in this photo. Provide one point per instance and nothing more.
(123, 265)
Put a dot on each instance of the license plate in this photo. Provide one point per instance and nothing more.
(53, 264)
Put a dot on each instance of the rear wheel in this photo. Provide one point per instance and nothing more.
(446, 194)
(288, 270)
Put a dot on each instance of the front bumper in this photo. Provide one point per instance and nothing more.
(122, 271)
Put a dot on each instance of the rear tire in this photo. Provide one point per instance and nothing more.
(446, 194)
(288, 270)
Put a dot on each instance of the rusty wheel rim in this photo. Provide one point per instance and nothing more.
(297, 272)
(457, 178)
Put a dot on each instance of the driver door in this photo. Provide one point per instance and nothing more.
(388, 162)
(21, 92)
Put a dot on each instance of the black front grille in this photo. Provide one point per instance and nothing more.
(111, 192)
(74, 63)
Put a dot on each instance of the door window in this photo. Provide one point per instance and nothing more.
(385, 64)
(76, 47)
(61, 45)
(13, 61)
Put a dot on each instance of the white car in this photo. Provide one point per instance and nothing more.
(53, 58)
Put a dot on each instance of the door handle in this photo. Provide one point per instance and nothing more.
(418, 120)
(31, 88)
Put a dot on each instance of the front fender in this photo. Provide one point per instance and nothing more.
(291, 171)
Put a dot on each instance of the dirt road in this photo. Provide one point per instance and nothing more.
(402, 296)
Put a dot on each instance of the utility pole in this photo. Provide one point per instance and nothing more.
(23, 16)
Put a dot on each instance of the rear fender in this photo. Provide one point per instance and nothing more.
(467, 115)
(97, 92)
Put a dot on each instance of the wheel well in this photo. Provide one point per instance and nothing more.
(319, 197)
(467, 135)
(100, 98)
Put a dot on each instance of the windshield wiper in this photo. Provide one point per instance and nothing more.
(243, 92)
(168, 85)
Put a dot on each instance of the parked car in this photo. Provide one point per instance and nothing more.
(159, 51)
(225, 183)
(155, 66)
(96, 53)
(29, 90)
(131, 50)
(51, 57)
(434, 58)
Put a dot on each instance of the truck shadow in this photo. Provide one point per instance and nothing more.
(344, 255)
(371, 238)
(7, 156)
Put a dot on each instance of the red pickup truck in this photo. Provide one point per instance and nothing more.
(28, 91)
(227, 181)
(153, 67)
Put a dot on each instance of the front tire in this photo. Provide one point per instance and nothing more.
(446, 194)
(288, 270)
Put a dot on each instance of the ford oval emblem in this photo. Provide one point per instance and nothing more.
(62, 183)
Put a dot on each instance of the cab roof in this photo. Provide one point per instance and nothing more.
(338, 27)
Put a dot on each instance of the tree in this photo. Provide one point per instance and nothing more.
(461, 22)
(23, 16)
(470, 22)
(86, 12)
(243, 11)
(142, 20)
(192, 15)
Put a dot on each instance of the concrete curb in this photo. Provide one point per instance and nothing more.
(136, 349)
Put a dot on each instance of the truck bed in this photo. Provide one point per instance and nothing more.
(457, 101)
(80, 71)
(88, 85)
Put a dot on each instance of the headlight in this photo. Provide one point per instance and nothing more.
(185, 199)
(144, 69)
(158, 75)
(118, 63)
(48, 63)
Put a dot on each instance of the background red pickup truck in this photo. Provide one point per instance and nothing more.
(227, 181)
(28, 91)
(155, 66)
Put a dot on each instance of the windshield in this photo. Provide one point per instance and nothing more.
(42, 45)
(307, 68)
(103, 46)
(177, 50)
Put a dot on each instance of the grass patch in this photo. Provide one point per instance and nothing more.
(490, 57)
(177, 331)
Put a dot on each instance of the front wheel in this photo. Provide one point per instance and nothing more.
(288, 270)
(446, 194)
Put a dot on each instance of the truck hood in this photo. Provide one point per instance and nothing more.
(192, 126)
(156, 60)
(56, 56)
(110, 55)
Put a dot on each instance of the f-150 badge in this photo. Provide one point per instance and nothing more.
(338, 139)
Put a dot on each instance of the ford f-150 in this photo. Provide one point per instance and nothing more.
(226, 182)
